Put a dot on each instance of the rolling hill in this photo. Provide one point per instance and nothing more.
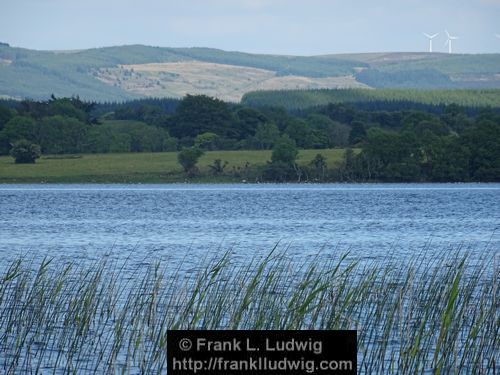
(128, 72)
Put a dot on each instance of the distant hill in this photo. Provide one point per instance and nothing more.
(128, 72)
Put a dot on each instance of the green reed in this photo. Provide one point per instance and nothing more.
(428, 315)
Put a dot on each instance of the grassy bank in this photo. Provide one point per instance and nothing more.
(141, 167)
(436, 315)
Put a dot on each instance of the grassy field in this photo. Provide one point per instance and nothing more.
(139, 167)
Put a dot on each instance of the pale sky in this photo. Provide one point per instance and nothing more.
(299, 27)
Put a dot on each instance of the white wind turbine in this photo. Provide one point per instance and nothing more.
(449, 40)
(430, 37)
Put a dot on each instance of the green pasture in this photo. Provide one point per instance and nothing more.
(140, 167)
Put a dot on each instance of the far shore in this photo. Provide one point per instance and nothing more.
(158, 167)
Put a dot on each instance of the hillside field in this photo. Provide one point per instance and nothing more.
(161, 167)
(226, 82)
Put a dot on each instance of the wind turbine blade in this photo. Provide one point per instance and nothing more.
(447, 33)
(433, 36)
(430, 37)
(447, 42)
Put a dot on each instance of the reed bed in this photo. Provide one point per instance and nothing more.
(436, 315)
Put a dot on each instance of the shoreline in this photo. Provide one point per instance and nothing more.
(482, 185)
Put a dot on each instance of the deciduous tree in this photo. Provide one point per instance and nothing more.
(24, 152)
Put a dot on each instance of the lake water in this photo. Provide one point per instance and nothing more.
(189, 222)
(184, 224)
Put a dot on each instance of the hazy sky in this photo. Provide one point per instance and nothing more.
(301, 27)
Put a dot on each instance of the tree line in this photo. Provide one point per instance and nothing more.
(394, 144)
(303, 99)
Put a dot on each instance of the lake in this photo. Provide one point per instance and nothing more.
(85, 316)
(189, 222)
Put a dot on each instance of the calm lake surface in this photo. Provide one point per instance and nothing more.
(189, 222)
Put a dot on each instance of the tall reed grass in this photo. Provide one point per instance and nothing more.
(430, 315)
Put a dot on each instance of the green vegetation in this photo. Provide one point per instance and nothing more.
(25, 152)
(301, 99)
(283, 166)
(127, 136)
(424, 151)
(284, 151)
(439, 72)
(38, 74)
(416, 79)
(102, 74)
(198, 114)
(455, 64)
(188, 157)
(429, 315)
(145, 167)
(398, 141)
(307, 66)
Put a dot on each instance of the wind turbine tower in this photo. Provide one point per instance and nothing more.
(449, 40)
(430, 37)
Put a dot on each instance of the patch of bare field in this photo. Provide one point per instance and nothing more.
(227, 82)
(304, 83)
